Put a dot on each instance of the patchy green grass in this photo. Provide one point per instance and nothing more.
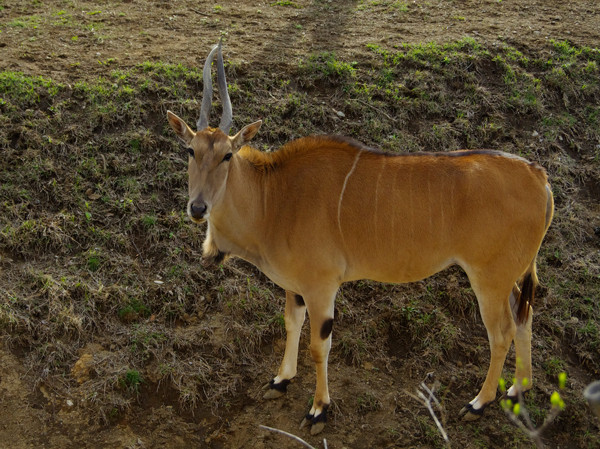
(386, 5)
(325, 65)
(30, 22)
(286, 3)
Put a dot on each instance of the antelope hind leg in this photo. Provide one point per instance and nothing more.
(496, 314)
(522, 353)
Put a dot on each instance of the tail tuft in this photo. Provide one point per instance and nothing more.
(526, 297)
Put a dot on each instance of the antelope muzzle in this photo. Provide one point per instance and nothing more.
(197, 210)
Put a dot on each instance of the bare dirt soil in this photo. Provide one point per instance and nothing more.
(56, 393)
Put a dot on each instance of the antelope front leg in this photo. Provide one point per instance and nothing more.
(295, 311)
(321, 325)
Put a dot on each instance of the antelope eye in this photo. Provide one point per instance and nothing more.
(191, 152)
(227, 157)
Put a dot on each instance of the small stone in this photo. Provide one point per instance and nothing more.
(81, 371)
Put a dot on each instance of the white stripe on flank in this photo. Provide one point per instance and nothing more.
(339, 214)
(376, 214)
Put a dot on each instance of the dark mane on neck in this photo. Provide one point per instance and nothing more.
(304, 146)
(334, 144)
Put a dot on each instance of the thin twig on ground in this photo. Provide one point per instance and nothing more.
(289, 435)
(428, 399)
(364, 103)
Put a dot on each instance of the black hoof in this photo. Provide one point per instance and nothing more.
(515, 399)
(321, 417)
(281, 386)
(317, 423)
(276, 390)
(475, 411)
(470, 413)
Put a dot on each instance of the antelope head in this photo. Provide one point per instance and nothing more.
(211, 150)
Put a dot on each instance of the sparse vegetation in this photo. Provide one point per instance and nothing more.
(132, 381)
(287, 3)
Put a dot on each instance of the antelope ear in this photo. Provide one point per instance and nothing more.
(182, 130)
(245, 135)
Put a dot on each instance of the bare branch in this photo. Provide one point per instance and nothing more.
(427, 400)
(289, 435)
(525, 423)
(376, 109)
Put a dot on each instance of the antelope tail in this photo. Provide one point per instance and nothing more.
(526, 295)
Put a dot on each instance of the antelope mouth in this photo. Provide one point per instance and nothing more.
(198, 220)
(198, 217)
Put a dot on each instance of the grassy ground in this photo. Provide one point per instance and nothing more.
(98, 258)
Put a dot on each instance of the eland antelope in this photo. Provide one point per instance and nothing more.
(325, 210)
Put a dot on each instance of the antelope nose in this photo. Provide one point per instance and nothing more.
(198, 209)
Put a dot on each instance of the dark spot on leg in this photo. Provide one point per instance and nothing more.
(299, 301)
(326, 328)
(219, 257)
(213, 259)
